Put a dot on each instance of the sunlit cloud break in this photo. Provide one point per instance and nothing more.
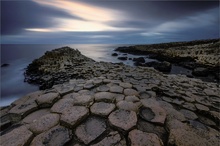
(93, 18)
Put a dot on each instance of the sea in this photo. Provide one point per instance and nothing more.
(18, 56)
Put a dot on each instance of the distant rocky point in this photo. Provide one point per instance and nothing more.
(202, 57)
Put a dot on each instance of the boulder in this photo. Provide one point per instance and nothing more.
(200, 71)
(161, 66)
(122, 58)
(114, 54)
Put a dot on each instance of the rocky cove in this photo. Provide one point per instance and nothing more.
(83, 102)
(201, 57)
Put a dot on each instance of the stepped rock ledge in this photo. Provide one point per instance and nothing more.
(83, 102)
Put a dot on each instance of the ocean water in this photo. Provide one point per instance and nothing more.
(20, 55)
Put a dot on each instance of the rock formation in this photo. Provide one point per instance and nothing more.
(122, 106)
(193, 55)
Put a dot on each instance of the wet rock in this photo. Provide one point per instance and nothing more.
(123, 119)
(35, 115)
(44, 123)
(56, 136)
(47, 100)
(161, 66)
(73, 116)
(139, 60)
(130, 92)
(113, 138)
(202, 72)
(18, 136)
(102, 108)
(114, 54)
(91, 129)
(122, 58)
(139, 138)
(104, 96)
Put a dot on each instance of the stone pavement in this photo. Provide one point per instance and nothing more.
(136, 106)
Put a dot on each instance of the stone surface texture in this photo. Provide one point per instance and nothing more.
(100, 103)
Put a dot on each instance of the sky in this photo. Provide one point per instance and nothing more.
(107, 21)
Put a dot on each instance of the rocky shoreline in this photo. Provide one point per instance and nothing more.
(97, 103)
(201, 57)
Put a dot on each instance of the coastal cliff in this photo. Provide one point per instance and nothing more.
(97, 103)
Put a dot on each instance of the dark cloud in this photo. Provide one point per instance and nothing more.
(157, 21)
(17, 15)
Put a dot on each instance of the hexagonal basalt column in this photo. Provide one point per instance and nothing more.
(123, 119)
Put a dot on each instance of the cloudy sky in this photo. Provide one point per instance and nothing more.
(107, 21)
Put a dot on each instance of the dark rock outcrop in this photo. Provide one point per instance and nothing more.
(161, 66)
(5, 65)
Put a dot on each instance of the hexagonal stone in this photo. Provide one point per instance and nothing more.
(17, 137)
(152, 111)
(35, 115)
(83, 100)
(104, 96)
(21, 110)
(47, 100)
(201, 107)
(119, 97)
(188, 114)
(102, 108)
(44, 123)
(125, 85)
(112, 139)
(88, 85)
(56, 136)
(73, 116)
(103, 88)
(123, 119)
(64, 88)
(128, 105)
(62, 105)
(184, 137)
(91, 129)
(132, 98)
(130, 92)
(148, 127)
(139, 138)
(116, 89)
(29, 97)
(189, 106)
(71, 95)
